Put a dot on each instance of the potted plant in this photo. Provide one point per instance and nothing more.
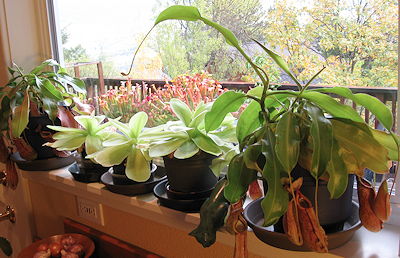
(188, 152)
(127, 148)
(31, 101)
(281, 130)
(86, 140)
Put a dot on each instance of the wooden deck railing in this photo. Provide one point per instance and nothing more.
(387, 95)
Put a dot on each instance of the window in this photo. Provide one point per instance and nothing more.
(356, 40)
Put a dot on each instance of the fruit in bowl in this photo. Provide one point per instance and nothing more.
(60, 246)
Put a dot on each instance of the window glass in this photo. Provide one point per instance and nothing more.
(355, 40)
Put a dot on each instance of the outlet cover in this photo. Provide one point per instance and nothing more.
(90, 210)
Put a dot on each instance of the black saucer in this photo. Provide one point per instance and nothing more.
(41, 164)
(136, 188)
(190, 206)
(187, 196)
(254, 215)
(85, 176)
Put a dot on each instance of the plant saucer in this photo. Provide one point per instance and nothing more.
(189, 206)
(254, 215)
(41, 164)
(135, 188)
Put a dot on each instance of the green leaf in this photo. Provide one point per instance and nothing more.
(137, 123)
(179, 12)
(287, 146)
(206, 144)
(48, 62)
(251, 154)
(137, 167)
(377, 107)
(182, 111)
(93, 144)
(386, 140)
(359, 148)
(280, 62)
(229, 101)
(77, 84)
(337, 170)
(239, 177)
(5, 246)
(186, 150)
(276, 199)
(322, 137)
(160, 149)
(50, 107)
(249, 120)
(67, 142)
(113, 155)
(124, 128)
(48, 89)
(20, 117)
(331, 106)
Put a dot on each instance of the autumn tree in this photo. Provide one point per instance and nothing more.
(193, 46)
(355, 39)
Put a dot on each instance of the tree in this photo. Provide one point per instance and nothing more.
(356, 40)
(192, 47)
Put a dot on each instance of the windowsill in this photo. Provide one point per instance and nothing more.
(364, 243)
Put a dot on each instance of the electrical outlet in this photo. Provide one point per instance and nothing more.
(90, 210)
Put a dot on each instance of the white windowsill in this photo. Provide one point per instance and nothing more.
(384, 244)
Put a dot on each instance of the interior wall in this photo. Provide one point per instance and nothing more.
(24, 34)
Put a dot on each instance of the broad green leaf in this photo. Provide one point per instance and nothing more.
(280, 62)
(287, 146)
(48, 62)
(337, 170)
(124, 128)
(93, 144)
(361, 150)
(179, 12)
(137, 167)
(322, 137)
(377, 107)
(5, 246)
(206, 144)
(70, 143)
(239, 177)
(386, 140)
(113, 155)
(331, 106)
(228, 35)
(137, 123)
(20, 117)
(113, 139)
(186, 150)
(50, 107)
(77, 84)
(251, 154)
(197, 119)
(182, 111)
(229, 101)
(63, 129)
(160, 149)
(249, 120)
(220, 163)
(48, 89)
(70, 134)
(276, 199)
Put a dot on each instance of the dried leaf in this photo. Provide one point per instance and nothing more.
(25, 150)
(366, 199)
(12, 175)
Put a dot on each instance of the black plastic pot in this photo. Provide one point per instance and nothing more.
(86, 170)
(192, 174)
(119, 177)
(32, 134)
(332, 213)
